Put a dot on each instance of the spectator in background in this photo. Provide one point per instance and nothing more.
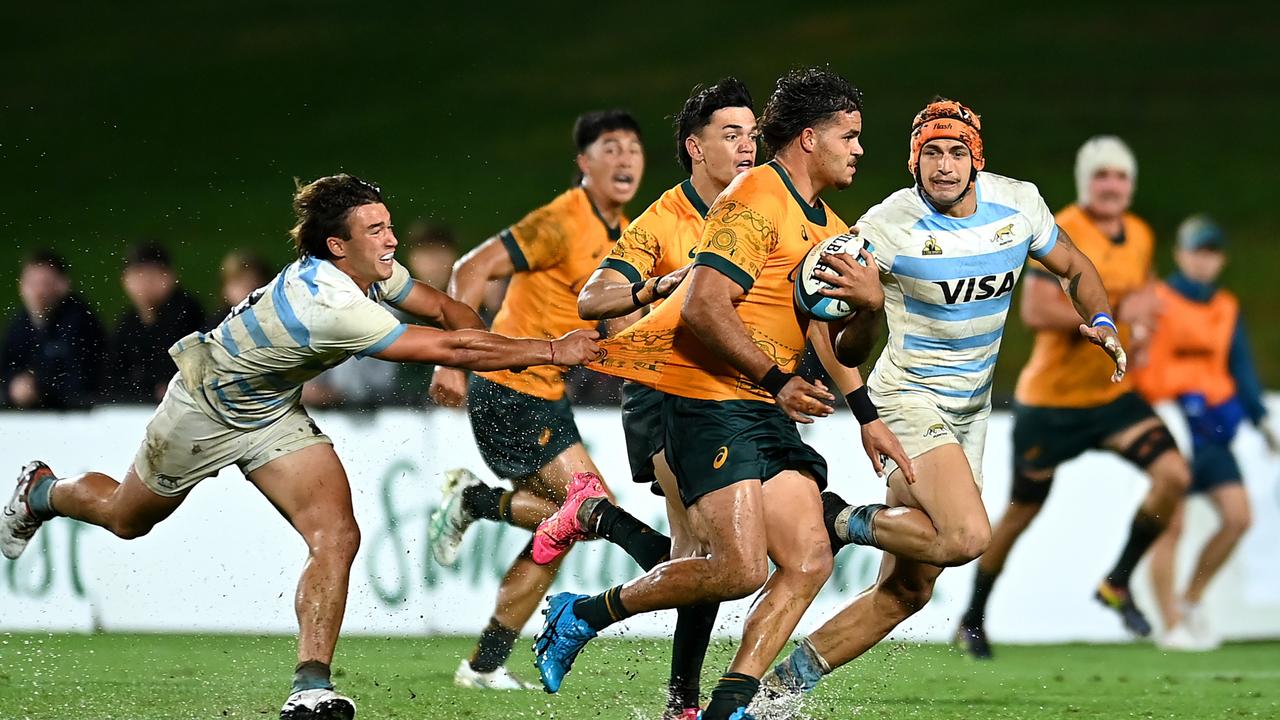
(1200, 358)
(432, 250)
(53, 350)
(243, 271)
(162, 314)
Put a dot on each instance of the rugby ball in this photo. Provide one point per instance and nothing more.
(808, 299)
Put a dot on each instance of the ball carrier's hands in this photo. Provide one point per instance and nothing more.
(798, 398)
(856, 282)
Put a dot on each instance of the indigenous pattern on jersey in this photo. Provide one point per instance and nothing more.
(947, 287)
(663, 238)
(249, 370)
(554, 249)
(1065, 369)
(756, 233)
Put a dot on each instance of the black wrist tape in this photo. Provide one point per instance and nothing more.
(860, 403)
(774, 380)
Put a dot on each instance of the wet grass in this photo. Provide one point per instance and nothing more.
(139, 677)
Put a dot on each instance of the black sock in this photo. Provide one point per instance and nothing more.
(734, 691)
(832, 505)
(688, 649)
(646, 546)
(487, 503)
(311, 675)
(493, 648)
(1142, 533)
(982, 584)
(602, 610)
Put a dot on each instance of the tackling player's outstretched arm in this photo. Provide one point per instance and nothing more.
(482, 350)
(708, 311)
(1089, 296)
(609, 294)
(428, 303)
(489, 261)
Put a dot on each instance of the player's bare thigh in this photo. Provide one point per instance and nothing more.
(684, 543)
(729, 524)
(945, 490)
(309, 487)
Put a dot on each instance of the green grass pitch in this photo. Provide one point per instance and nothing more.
(139, 677)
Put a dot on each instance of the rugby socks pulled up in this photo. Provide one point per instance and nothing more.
(1144, 531)
(485, 502)
(493, 648)
(803, 669)
(983, 582)
(40, 498)
(733, 693)
(311, 675)
(601, 611)
(694, 625)
(646, 546)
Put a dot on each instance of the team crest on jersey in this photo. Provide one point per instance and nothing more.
(936, 430)
(1004, 235)
(931, 246)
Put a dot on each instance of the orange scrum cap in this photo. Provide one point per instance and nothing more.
(949, 120)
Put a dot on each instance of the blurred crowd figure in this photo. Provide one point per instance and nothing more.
(161, 312)
(55, 346)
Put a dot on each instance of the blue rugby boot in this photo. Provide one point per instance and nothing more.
(562, 637)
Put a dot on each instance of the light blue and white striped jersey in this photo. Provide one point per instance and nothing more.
(947, 287)
(249, 370)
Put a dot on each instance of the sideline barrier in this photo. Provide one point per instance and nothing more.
(227, 562)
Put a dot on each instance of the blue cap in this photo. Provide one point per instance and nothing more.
(1200, 232)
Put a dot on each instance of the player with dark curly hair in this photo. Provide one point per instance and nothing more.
(724, 349)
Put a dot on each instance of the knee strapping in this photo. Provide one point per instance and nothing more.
(1028, 488)
(1151, 444)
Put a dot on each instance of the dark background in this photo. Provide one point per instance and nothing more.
(189, 125)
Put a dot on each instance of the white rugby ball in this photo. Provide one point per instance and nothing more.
(808, 299)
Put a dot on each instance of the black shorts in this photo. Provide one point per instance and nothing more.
(1045, 437)
(642, 428)
(1212, 466)
(517, 433)
(712, 444)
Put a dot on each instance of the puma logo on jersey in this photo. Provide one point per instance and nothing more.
(975, 288)
(936, 430)
(931, 247)
(1004, 235)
